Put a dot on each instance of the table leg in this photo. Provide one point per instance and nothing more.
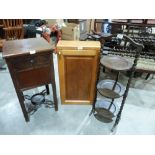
(18, 92)
(55, 96)
(53, 84)
(21, 101)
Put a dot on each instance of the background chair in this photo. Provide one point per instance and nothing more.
(13, 29)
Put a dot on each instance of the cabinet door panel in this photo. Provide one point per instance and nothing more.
(34, 77)
(77, 73)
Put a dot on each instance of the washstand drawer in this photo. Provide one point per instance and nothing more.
(29, 62)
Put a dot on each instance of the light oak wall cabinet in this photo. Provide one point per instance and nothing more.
(78, 69)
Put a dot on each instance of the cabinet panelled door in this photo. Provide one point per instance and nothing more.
(78, 69)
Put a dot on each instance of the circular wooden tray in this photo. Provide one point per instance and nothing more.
(105, 89)
(117, 63)
(102, 111)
